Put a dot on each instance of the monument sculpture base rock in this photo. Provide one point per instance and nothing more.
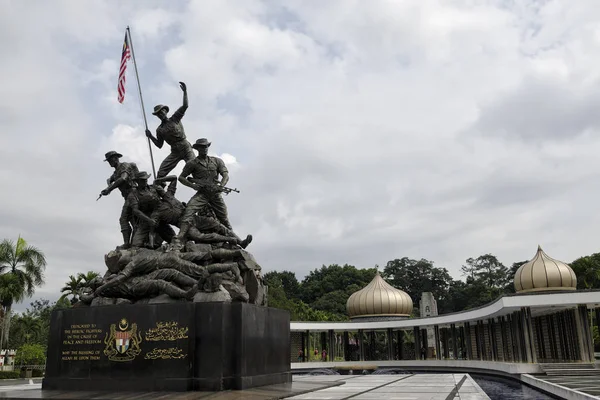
(186, 346)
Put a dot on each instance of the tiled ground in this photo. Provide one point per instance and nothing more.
(396, 387)
(392, 387)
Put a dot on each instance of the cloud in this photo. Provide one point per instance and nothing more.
(356, 132)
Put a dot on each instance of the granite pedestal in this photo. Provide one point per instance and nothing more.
(168, 347)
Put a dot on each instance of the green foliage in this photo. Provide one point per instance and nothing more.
(10, 374)
(299, 311)
(25, 262)
(587, 270)
(32, 326)
(415, 277)
(287, 280)
(323, 293)
(71, 288)
(22, 269)
(328, 288)
(31, 354)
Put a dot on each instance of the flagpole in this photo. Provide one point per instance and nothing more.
(141, 99)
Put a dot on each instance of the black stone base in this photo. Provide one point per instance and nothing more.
(168, 347)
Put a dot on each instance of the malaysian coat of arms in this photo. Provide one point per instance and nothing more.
(122, 344)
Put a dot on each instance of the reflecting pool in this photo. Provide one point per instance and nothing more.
(507, 389)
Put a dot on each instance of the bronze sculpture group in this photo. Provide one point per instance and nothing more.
(205, 260)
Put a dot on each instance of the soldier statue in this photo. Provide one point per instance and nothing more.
(142, 200)
(121, 179)
(171, 131)
(205, 171)
(205, 228)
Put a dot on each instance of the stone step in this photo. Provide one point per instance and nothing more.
(549, 367)
(573, 372)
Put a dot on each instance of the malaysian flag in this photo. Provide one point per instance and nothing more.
(125, 56)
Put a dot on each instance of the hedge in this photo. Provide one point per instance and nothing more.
(10, 374)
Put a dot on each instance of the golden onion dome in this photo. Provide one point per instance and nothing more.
(379, 299)
(544, 273)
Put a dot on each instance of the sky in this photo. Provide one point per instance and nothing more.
(357, 132)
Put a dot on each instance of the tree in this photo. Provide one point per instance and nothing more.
(23, 331)
(510, 286)
(334, 277)
(288, 282)
(87, 277)
(31, 354)
(488, 270)
(587, 270)
(72, 288)
(10, 288)
(415, 277)
(26, 264)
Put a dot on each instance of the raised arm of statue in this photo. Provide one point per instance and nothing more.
(177, 115)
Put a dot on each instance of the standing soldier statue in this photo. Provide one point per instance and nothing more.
(171, 131)
(205, 171)
(122, 179)
(142, 201)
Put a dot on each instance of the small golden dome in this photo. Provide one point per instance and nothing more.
(544, 273)
(379, 299)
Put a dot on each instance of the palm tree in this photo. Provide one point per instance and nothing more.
(10, 288)
(24, 267)
(87, 277)
(71, 288)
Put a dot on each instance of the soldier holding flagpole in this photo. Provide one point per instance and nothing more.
(171, 131)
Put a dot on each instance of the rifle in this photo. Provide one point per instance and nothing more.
(223, 189)
(99, 197)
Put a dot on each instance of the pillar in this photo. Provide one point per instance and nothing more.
(563, 337)
(303, 346)
(371, 353)
(346, 344)
(390, 343)
(492, 339)
(478, 355)
(400, 341)
(584, 335)
(454, 343)
(417, 336)
(425, 342)
(528, 335)
(468, 345)
(361, 345)
(331, 345)
(436, 335)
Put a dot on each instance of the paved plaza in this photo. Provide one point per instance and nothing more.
(395, 387)
(392, 387)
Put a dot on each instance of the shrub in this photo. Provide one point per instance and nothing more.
(9, 374)
(37, 373)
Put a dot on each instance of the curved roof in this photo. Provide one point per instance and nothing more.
(544, 273)
(379, 298)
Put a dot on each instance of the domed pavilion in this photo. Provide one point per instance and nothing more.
(543, 273)
(379, 301)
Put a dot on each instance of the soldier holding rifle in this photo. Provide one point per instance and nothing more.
(205, 171)
(121, 179)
